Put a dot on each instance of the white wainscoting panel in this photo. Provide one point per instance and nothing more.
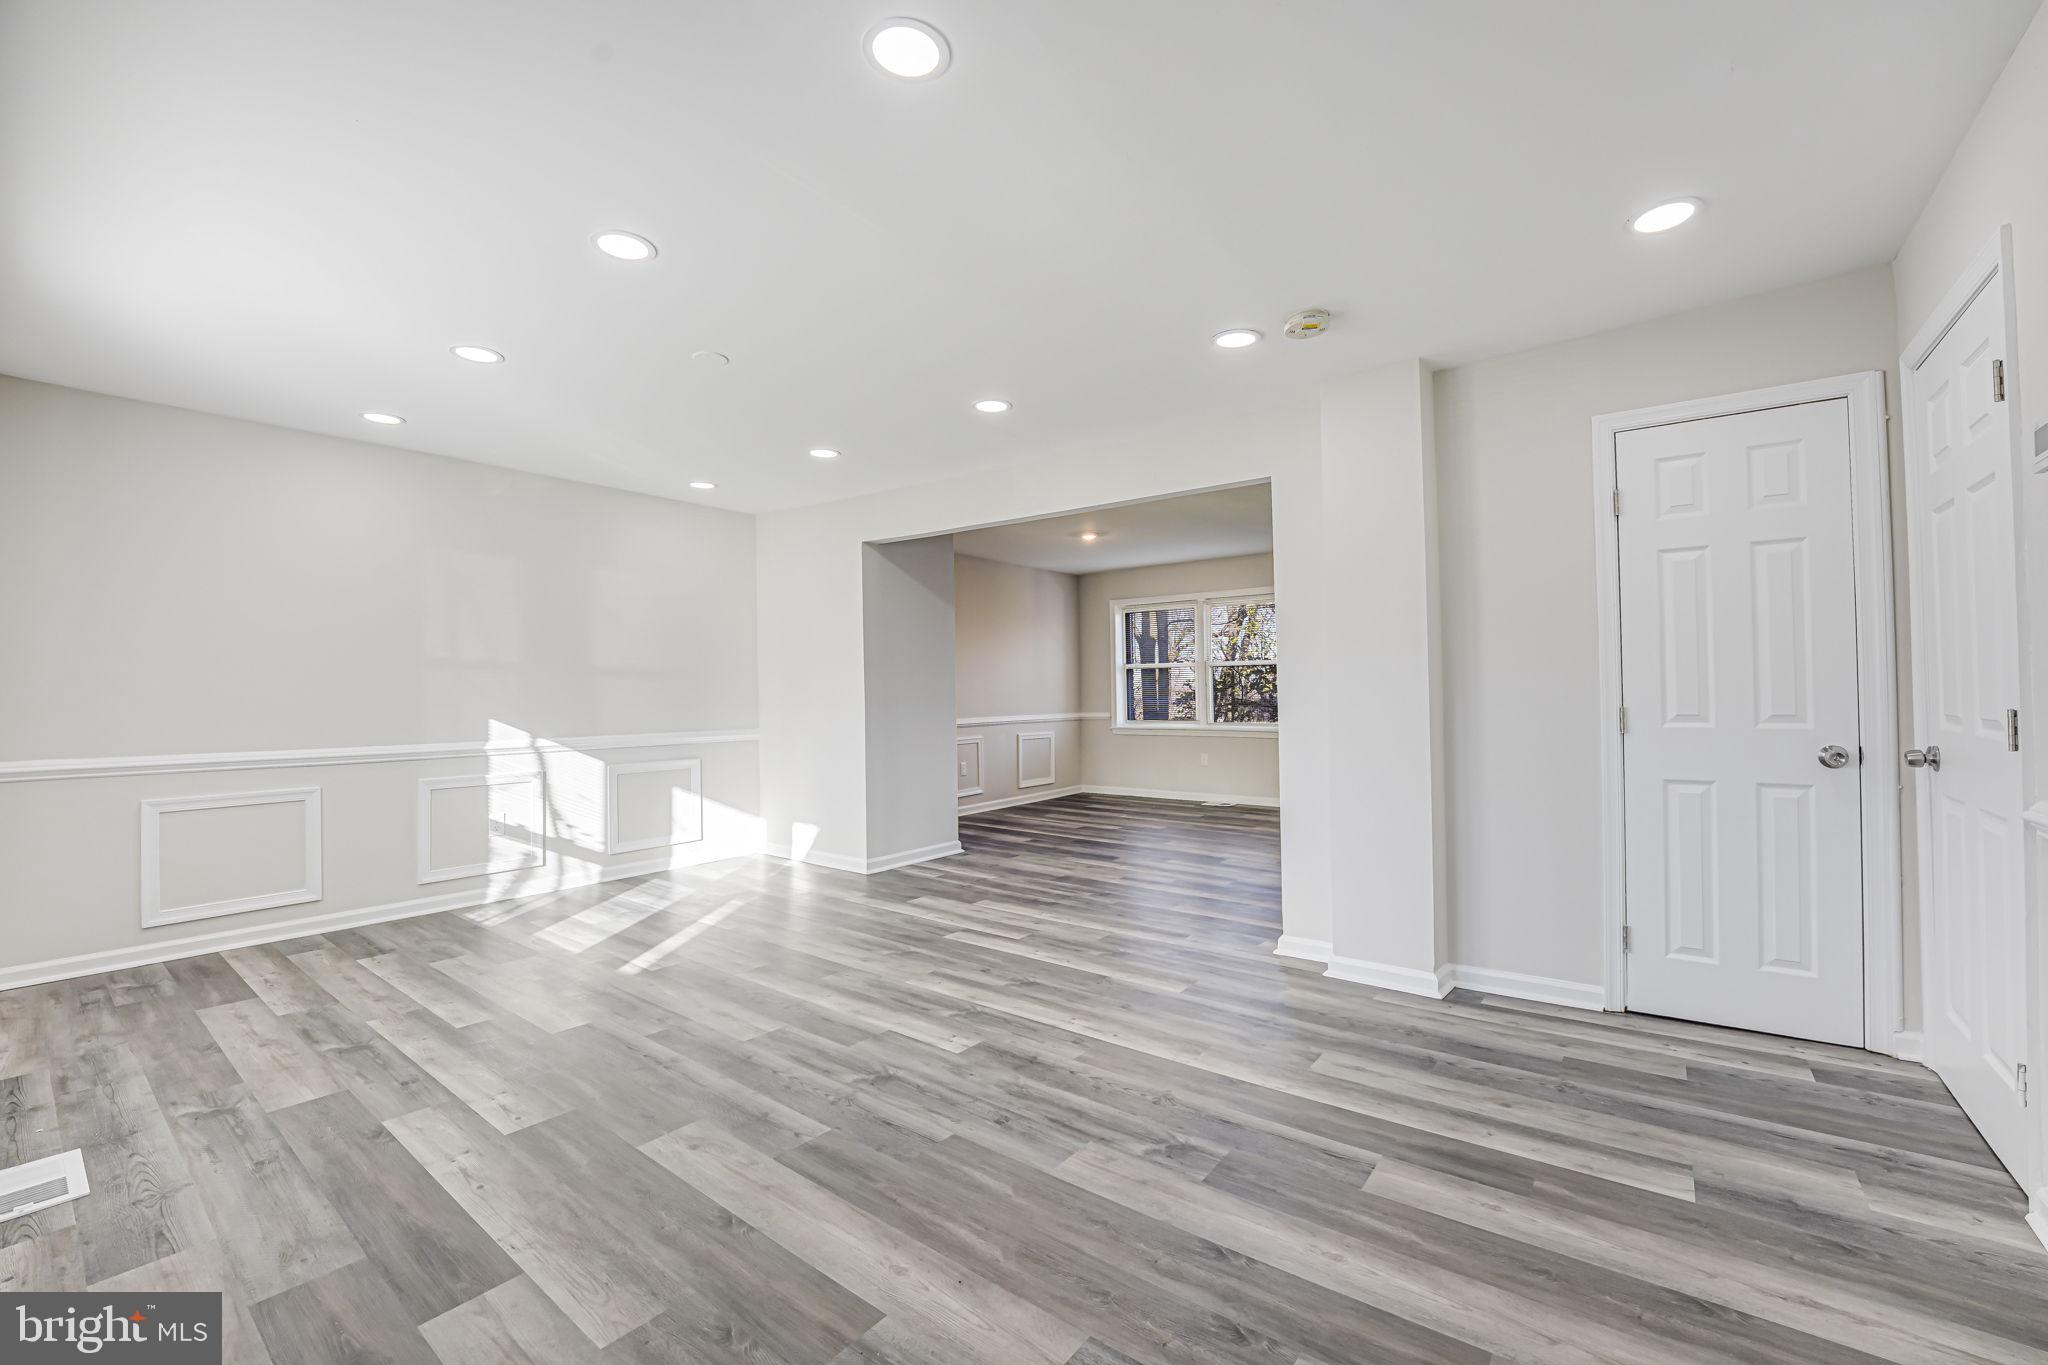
(655, 804)
(967, 766)
(504, 835)
(191, 863)
(1034, 758)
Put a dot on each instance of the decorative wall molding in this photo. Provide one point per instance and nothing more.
(1411, 980)
(535, 854)
(1203, 798)
(970, 722)
(156, 913)
(59, 769)
(1029, 798)
(958, 745)
(693, 829)
(1051, 757)
(1550, 990)
(277, 931)
(867, 866)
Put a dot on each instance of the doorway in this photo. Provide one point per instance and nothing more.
(1749, 801)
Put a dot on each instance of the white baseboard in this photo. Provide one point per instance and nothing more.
(915, 855)
(831, 861)
(1548, 989)
(1205, 798)
(299, 926)
(1004, 802)
(838, 862)
(1906, 1045)
(2037, 1214)
(1313, 949)
(1413, 980)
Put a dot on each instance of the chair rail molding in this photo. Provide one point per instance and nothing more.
(58, 769)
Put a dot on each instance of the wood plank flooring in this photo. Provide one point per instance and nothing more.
(1053, 1101)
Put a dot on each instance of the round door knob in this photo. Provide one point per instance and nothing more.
(1834, 756)
(1929, 757)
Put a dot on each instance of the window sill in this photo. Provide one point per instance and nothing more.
(1188, 727)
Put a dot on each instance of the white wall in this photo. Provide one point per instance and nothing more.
(1016, 637)
(907, 648)
(1238, 763)
(1519, 626)
(1996, 179)
(184, 584)
(1017, 643)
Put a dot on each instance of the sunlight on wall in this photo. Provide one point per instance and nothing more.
(565, 809)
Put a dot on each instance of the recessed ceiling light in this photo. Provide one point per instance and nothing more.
(908, 49)
(822, 454)
(627, 246)
(1664, 217)
(482, 355)
(384, 419)
(1236, 338)
(702, 486)
(1090, 537)
(992, 405)
(712, 359)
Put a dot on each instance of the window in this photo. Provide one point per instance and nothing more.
(1200, 661)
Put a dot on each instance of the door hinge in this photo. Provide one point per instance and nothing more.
(2012, 729)
(1624, 938)
(1621, 720)
(1998, 381)
(1617, 502)
(2020, 1075)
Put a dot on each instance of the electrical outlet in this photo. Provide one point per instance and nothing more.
(963, 767)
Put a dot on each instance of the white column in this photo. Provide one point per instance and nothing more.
(1383, 668)
(907, 659)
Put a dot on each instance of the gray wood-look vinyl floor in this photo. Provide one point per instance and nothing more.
(1051, 1101)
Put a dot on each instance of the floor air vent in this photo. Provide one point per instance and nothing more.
(37, 1185)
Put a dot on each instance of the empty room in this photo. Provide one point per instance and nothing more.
(1037, 684)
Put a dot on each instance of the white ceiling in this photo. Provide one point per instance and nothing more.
(289, 212)
(1229, 521)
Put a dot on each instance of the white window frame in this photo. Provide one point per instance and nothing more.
(1203, 665)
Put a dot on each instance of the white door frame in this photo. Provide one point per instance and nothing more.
(1876, 657)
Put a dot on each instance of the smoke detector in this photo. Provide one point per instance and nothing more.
(1308, 322)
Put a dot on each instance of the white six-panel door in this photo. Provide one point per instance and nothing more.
(1738, 646)
(1966, 670)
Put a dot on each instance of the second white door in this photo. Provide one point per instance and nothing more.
(1742, 807)
(1959, 497)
